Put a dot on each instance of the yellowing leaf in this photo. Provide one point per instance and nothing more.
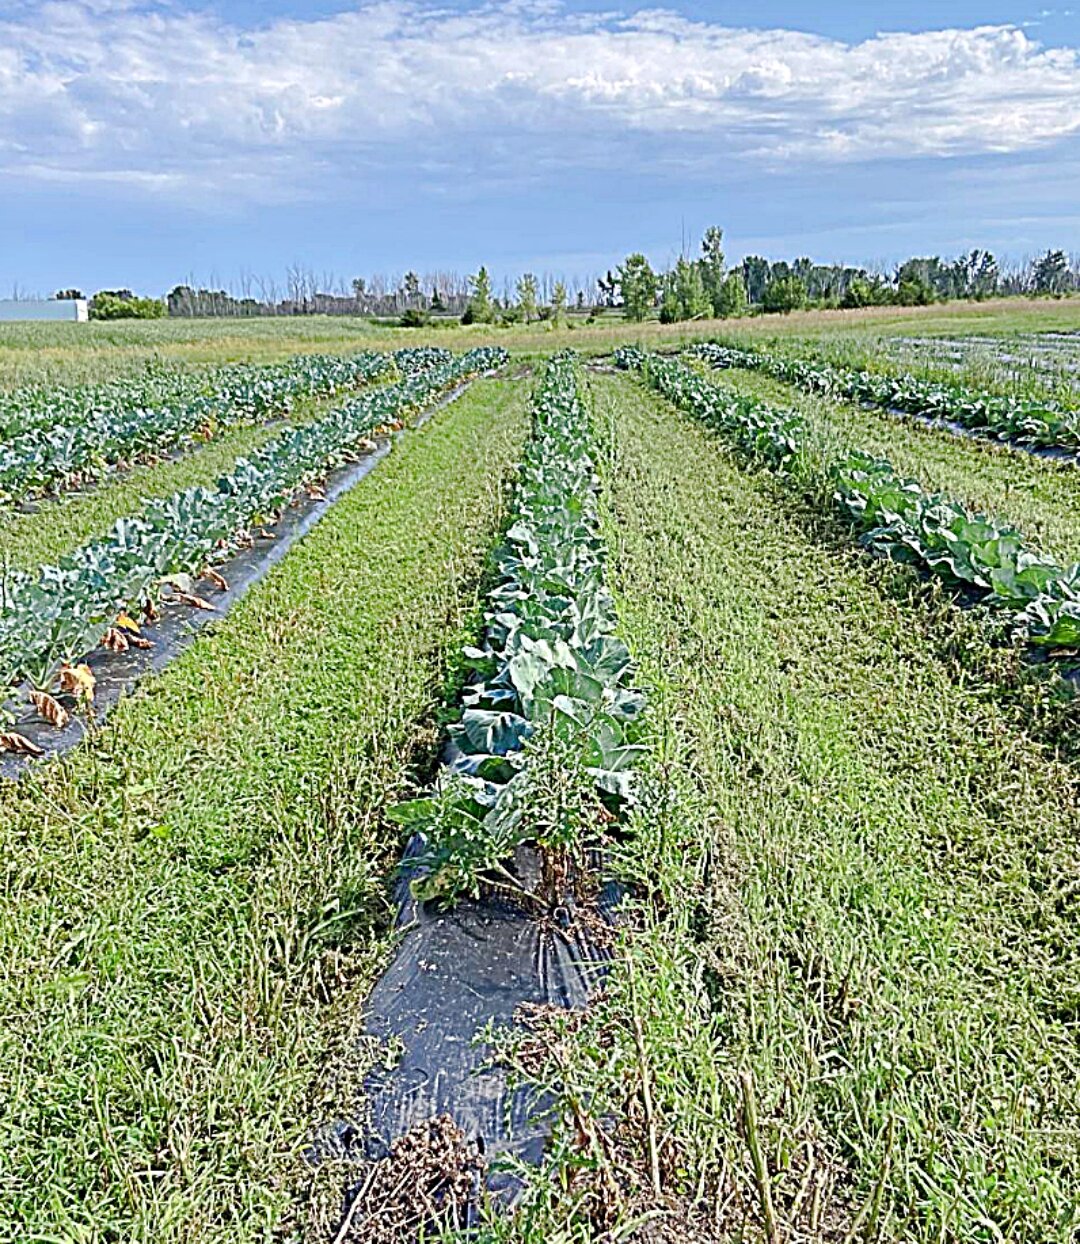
(218, 580)
(196, 602)
(126, 623)
(79, 681)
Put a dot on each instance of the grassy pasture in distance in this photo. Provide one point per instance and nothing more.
(83, 351)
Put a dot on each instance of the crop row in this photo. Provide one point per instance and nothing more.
(892, 515)
(61, 612)
(259, 388)
(68, 436)
(1025, 421)
(551, 725)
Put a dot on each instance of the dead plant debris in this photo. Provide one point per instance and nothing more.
(428, 1182)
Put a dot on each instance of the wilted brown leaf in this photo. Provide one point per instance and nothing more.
(52, 710)
(196, 602)
(218, 580)
(79, 681)
(19, 744)
(139, 641)
(150, 611)
(114, 640)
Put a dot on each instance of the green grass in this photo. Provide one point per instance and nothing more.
(867, 899)
(1041, 496)
(89, 351)
(187, 898)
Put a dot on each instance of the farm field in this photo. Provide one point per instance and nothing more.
(884, 936)
(183, 898)
(790, 667)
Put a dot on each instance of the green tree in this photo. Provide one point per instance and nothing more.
(684, 296)
(558, 302)
(480, 309)
(866, 291)
(915, 275)
(410, 287)
(982, 276)
(607, 287)
(784, 294)
(526, 296)
(756, 275)
(732, 300)
(914, 292)
(712, 266)
(637, 281)
(123, 305)
(669, 299)
(1051, 273)
(694, 301)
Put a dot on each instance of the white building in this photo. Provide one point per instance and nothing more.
(75, 309)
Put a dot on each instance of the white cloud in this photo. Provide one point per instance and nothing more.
(156, 97)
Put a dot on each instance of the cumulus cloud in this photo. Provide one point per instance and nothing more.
(154, 96)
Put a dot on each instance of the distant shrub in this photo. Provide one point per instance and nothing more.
(123, 305)
(414, 317)
(914, 293)
(867, 292)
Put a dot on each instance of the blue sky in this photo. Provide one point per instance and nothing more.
(145, 142)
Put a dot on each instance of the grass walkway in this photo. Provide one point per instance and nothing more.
(184, 899)
(1041, 496)
(888, 919)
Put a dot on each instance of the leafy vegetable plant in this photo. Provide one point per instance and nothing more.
(893, 515)
(51, 436)
(768, 435)
(551, 727)
(1006, 418)
(61, 612)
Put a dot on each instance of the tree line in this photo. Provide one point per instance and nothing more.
(695, 286)
(411, 299)
(704, 287)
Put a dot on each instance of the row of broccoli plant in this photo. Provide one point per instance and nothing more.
(53, 617)
(258, 388)
(1005, 418)
(551, 726)
(892, 515)
(65, 437)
